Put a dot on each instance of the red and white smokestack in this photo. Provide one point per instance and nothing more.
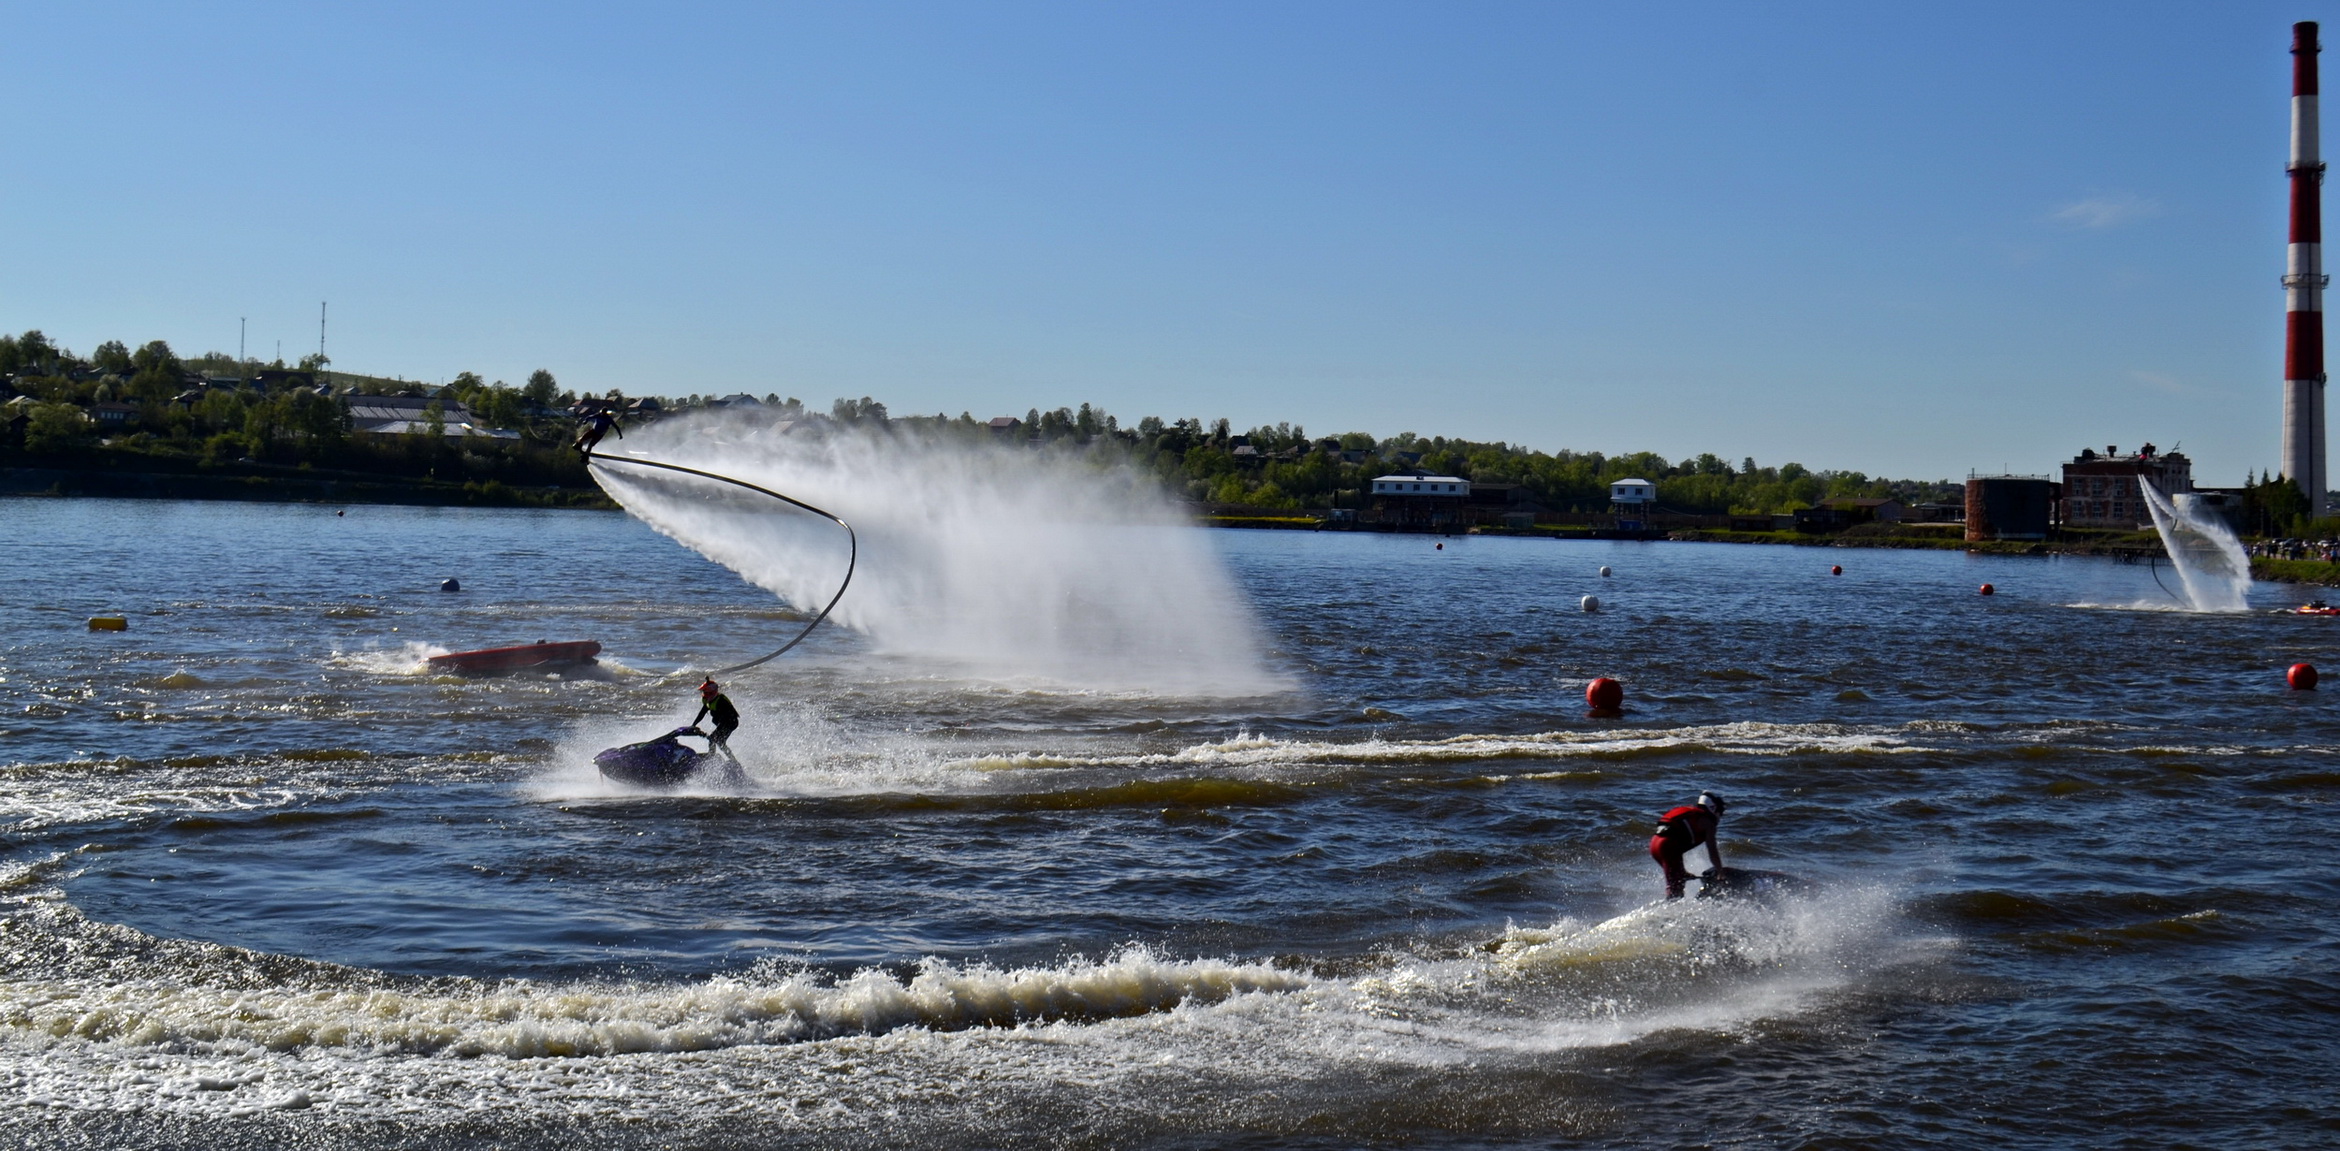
(2303, 283)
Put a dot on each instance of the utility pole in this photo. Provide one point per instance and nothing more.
(243, 362)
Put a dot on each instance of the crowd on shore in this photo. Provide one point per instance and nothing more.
(2327, 550)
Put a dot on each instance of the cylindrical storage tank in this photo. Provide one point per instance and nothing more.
(2009, 507)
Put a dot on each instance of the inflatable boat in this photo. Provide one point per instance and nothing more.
(492, 660)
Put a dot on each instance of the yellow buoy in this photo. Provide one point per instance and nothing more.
(108, 623)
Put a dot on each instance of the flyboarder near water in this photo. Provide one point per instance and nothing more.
(600, 418)
(712, 702)
(1681, 829)
(663, 762)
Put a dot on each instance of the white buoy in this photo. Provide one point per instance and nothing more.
(1591, 603)
(1604, 571)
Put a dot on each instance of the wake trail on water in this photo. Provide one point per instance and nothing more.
(202, 1027)
(802, 753)
(1004, 562)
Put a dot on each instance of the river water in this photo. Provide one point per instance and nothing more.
(268, 880)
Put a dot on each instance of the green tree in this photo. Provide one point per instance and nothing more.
(865, 409)
(32, 352)
(499, 407)
(152, 355)
(2274, 506)
(542, 389)
(113, 356)
(58, 428)
(321, 422)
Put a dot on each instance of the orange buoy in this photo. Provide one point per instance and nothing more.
(1604, 694)
(2301, 677)
(1835, 569)
(1989, 590)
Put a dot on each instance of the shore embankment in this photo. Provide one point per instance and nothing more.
(2125, 546)
(274, 484)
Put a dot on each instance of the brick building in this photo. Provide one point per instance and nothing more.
(2101, 491)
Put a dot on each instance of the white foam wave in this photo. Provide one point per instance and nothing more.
(142, 1026)
(530, 1020)
(802, 753)
(1246, 751)
(409, 658)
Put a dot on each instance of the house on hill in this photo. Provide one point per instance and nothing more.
(112, 416)
(410, 416)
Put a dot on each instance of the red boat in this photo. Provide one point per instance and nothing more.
(488, 661)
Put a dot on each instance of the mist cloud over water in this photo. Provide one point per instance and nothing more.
(987, 559)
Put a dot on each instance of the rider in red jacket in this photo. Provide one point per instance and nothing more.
(1680, 830)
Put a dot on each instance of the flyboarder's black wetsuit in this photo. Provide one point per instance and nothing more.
(726, 719)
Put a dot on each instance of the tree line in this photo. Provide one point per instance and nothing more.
(266, 419)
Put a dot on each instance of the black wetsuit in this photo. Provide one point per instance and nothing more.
(726, 719)
(598, 424)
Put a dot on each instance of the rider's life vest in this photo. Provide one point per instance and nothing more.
(1688, 825)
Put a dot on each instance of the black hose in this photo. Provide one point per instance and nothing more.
(2155, 561)
(852, 555)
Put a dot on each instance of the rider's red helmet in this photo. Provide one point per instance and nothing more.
(708, 688)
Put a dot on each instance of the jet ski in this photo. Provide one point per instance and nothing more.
(665, 762)
(2317, 608)
(1742, 883)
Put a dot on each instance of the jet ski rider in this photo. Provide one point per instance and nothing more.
(1681, 829)
(712, 702)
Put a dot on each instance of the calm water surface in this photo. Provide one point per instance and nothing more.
(266, 879)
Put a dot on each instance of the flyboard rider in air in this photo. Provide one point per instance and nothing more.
(666, 762)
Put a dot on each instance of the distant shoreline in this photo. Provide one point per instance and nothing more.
(2262, 567)
(272, 484)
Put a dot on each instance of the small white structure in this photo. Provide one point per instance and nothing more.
(410, 416)
(1632, 492)
(1454, 486)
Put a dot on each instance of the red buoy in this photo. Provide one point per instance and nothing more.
(1604, 694)
(2301, 677)
(1989, 590)
(1835, 569)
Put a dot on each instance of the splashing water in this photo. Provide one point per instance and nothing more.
(2210, 561)
(1002, 563)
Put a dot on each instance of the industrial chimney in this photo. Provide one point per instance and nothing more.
(2303, 284)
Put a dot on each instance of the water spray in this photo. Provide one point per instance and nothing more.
(2210, 562)
(852, 554)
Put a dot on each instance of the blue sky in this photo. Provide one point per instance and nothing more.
(1910, 241)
